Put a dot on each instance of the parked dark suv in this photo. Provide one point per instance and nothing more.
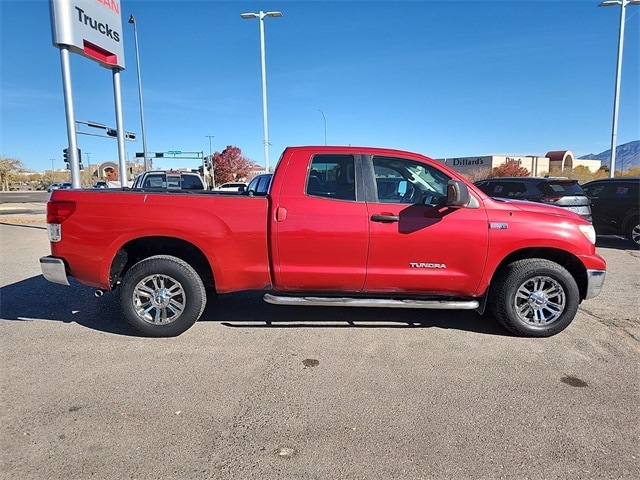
(614, 204)
(560, 192)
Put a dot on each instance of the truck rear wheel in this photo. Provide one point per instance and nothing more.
(162, 296)
(535, 298)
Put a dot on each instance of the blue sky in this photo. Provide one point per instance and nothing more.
(445, 78)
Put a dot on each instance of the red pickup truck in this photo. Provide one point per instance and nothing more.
(347, 226)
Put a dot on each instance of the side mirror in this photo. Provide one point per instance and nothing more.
(241, 188)
(457, 194)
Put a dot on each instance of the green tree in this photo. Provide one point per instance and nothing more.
(8, 168)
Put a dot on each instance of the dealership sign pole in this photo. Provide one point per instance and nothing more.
(93, 29)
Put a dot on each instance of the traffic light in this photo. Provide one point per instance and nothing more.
(65, 156)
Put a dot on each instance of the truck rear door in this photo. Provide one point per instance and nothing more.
(321, 225)
(417, 244)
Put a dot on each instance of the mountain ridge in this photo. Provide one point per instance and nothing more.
(627, 156)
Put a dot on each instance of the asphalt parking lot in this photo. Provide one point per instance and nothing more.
(271, 392)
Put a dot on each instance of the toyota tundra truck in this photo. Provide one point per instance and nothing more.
(345, 226)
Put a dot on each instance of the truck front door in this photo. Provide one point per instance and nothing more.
(417, 244)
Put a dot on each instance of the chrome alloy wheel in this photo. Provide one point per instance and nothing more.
(159, 299)
(635, 234)
(540, 301)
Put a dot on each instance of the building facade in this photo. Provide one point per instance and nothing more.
(536, 165)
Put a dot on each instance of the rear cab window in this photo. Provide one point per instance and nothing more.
(563, 188)
(169, 181)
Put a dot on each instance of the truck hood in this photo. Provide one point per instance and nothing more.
(536, 207)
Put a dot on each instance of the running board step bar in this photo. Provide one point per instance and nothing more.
(371, 302)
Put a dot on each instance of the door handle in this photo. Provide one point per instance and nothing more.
(385, 218)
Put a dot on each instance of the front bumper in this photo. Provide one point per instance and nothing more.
(595, 281)
(54, 270)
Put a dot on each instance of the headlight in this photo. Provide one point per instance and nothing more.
(588, 232)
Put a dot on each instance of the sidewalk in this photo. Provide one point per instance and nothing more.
(21, 213)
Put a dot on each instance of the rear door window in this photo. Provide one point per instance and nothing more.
(332, 176)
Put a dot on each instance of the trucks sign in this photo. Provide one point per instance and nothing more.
(92, 28)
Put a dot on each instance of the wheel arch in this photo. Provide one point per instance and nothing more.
(567, 260)
(140, 248)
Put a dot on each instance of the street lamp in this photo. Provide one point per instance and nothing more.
(261, 15)
(213, 178)
(147, 162)
(616, 98)
(325, 126)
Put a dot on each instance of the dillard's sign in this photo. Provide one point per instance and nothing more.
(469, 162)
(92, 28)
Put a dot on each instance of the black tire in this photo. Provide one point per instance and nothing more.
(162, 296)
(633, 232)
(534, 298)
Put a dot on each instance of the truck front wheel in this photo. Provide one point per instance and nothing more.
(534, 298)
(162, 296)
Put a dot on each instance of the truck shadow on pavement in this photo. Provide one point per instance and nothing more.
(35, 299)
(248, 310)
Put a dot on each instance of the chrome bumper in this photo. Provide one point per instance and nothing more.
(595, 281)
(53, 269)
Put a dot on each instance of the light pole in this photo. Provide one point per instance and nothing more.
(147, 162)
(325, 126)
(52, 161)
(261, 15)
(616, 97)
(213, 178)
